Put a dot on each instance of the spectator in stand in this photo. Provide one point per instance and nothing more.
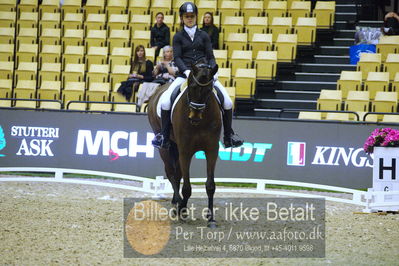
(209, 27)
(160, 34)
(141, 72)
(391, 24)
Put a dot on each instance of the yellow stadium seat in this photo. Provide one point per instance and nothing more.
(388, 45)
(50, 37)
(94, 22)
(309, 115)
(391, 65)
(299, 9)
(74, 73)
(140, 22)
(7, 52)
(324, 13)
(164, 6)
(395, 83)
(117, 22)
(27, 20)
(5, 88)
(349, 80)
(77, 106)
(205, 6)
(150, 54)
(261, 42)
(256, 25)
(97, 73)
(391, 118)
(275, 9)
(240, 59)
(72, 37)
(369, 62)
(8, 5)
(73, 91)
(229, 8)
(232, 24)
(49, 6)
(177, 3)
(7, 19)
(286, 46)
(49, 21)
(49, 90)
(139, 7)
(96, 38)
(25, 89)
(120, 56)
(338, 116)
(305, 29)
(141, 38)
(357, 101)
(96, 55)
(118, 38)
(329, 100)
(266, 64)
(25, 104)
(71, 6)
(119, 73)
(221, 57)
(94, 7)
(126, 108)
(27, 6)
(7, 35)
(26, 36)
(98, 91)
(244, 82)
(225, 76)
(54, 105)
(50, 72)
(385, 102)
(115, 96)
(236, 41)
(72, 21)
(251, 9)
(5, 103)
(101, 107)
(376, 81)
(116, 7)
(25, 71)
(280, 25)
(6, 70)
(73, 55)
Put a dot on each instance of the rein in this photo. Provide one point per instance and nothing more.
(199, 106)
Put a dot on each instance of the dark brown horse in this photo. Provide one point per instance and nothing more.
(196, 126)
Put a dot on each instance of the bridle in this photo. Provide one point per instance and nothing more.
(200, 107)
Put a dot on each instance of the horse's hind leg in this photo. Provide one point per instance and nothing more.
(211, 157)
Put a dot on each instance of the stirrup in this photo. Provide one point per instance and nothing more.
(160, 142)
(232, 141)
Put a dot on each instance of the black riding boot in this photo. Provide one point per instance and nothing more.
(161, 140)
(230, 139)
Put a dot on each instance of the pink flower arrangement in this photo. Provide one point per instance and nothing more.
(382, 137)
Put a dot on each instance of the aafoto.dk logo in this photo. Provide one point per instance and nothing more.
(3, 142)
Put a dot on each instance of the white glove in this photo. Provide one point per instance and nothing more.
(216, 76)
(187, 73)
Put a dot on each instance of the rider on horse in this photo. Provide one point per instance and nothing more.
(189, 46)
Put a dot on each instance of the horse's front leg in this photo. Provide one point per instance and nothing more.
(211, 157)
(185, 160)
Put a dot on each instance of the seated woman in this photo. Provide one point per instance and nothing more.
(211, 29)
(141, 72)
(164, 72)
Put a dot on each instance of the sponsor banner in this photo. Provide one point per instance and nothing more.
(320, 153)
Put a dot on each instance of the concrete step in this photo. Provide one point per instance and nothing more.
(307, 85)
(344, 41)
(334, 50)
(331, 59)
(345, 8)
(285, 103)
(345, 16)
(323, 77)
(343, 25)
(295, 95)
(325, 68)
(345, 33)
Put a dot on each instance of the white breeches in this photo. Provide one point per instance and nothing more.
(165, 98)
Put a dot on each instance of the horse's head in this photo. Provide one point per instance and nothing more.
(200, 85)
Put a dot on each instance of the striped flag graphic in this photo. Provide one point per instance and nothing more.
(296, 153)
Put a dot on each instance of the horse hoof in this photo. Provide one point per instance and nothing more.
(212, 224)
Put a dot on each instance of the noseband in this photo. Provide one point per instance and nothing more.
(199, 106)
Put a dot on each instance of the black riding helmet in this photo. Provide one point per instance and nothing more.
(188, 7)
